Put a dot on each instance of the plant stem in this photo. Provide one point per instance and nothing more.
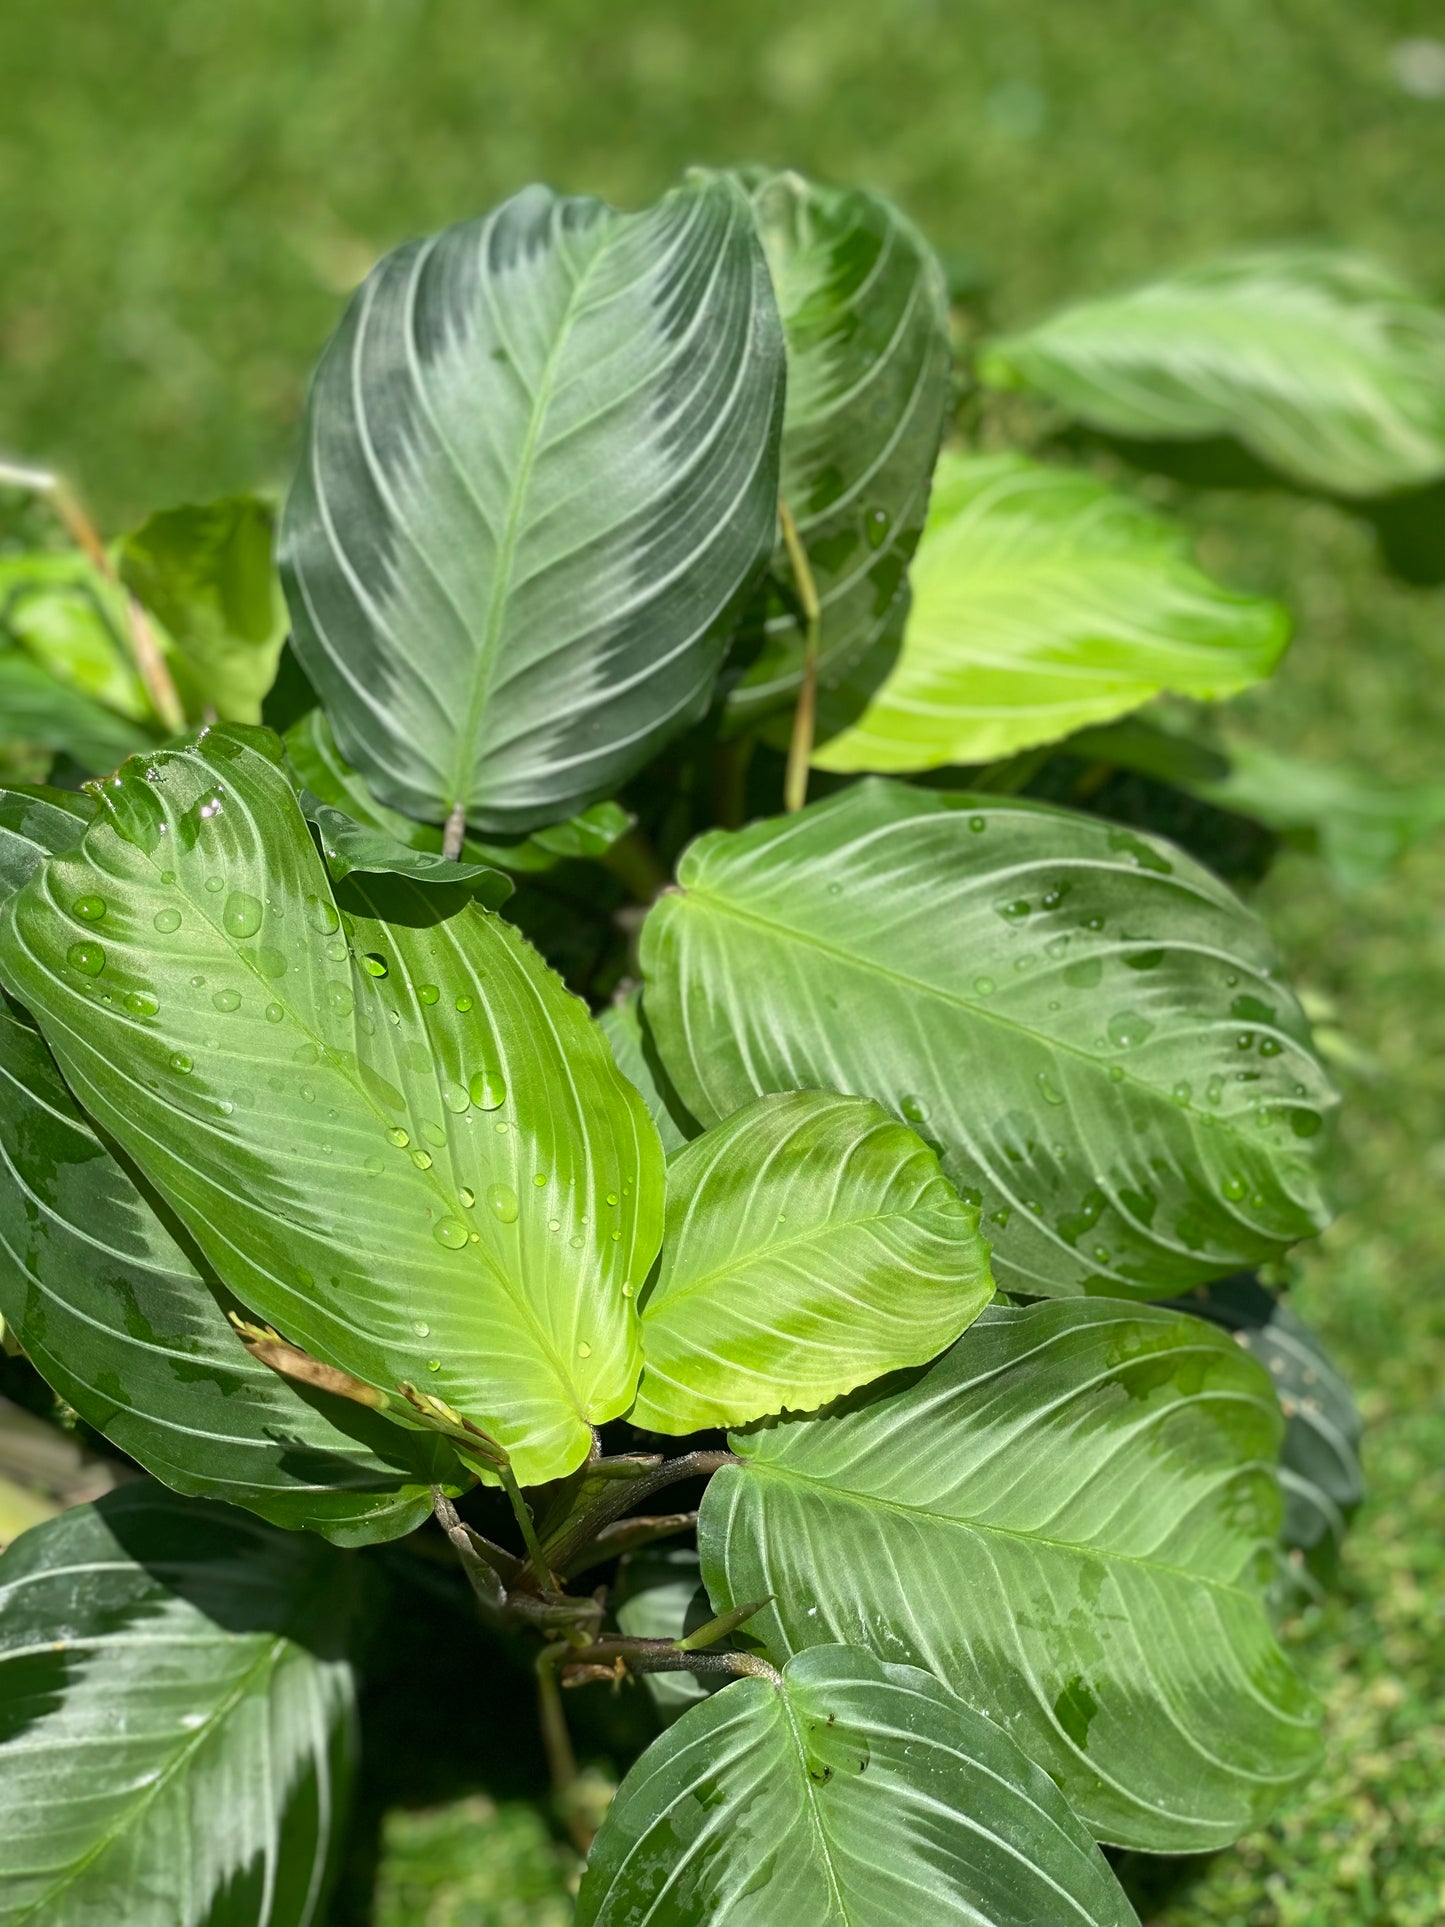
(805, 716)
(455, 832)
(140, 637)
(561, 1759)
(634, 862)
(730, 781)
(578, 1533)
(536, 1558)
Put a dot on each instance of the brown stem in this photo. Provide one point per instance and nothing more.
(805, 716)
(623, 1492)
(561, 1759)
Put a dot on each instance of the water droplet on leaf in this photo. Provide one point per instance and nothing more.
(87, 958)
(167, 920)
(449, 1233)
(502, 1202)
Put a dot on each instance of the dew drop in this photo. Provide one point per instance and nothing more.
(627, 1290)
(336, 951)
(89, 909)
(448, 1232)
(984, 986)
(977, 823)
(1244, 1040)
(612, 1197)
(374, 965)
(306, 1053)
(1270, 1047)
(502, 1203)
(1233, 1187)
(464, 1002)
(226, 999)
(168, 876)
(226, 1107)
(323, 915)
(1127, 1028)
(617, 1237)
(1015, 910)
(422, 1160)
(433, 1364)
(422, 1328)
(397, 1136)
(554, 1224)
(584, 1350)
(180, 1063)
(242, 914)
(876, 525)
(375, 1165)
(1214, 1089)
(340, 1000)
(1116, 1073)
(1305, 1123)
(428, 993)
(140, 1003)
(913, 1108)
(167, 920)
(87, 958)
(488, 1091)
(540, 1179)
(455, 1098)
(467, 1197)
(1051, 1094)
(576, 1243)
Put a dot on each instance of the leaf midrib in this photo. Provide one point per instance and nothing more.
(811, 1793)
(464, 768)
(772, 1468)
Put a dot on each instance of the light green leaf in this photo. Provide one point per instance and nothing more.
(625, 1029)
(206, 573)
(1042, 601)
(178, 1717)
(811, 1244)
(1325, 365)
(70, 619)
(130, 1328)
(327, 779)
(865, 318)
(36, 708)
(1068, 1520)
(349, 846)
(393, 1136)
(1088, 1024)
(540, 476)
(847, 1793)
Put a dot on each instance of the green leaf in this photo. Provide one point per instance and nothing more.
(349, 846)
(1087, 1023)
(865, 318)
(36, 708)
(1068, 1520)
(206, 573)
(131, 1329)
(660, 1595)
(1320, 1468)
(327, 779)
(811, 1243)
(847, 1793)
(70, 619)
(1042, 601)
(540, 476)
(36, 823)
(1325, 365)
(394, 1136)
(625, 1029)
(178, 1717)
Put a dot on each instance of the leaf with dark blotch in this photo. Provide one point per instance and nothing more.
(847, 1793)
(811, 1244)
(1068, 1519)
(865, 318)
(540, 477)
(390, 1130)
(178, 1717)
(1090, 1027)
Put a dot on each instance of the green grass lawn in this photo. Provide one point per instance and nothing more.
(187, 190)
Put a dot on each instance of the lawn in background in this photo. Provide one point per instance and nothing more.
(189, 189)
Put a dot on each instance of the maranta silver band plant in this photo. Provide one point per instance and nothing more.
(626, 945)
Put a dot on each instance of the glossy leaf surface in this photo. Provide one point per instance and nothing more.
(178, 1717)
(394, 1137)
(1088, 1023)
(1066, 1519)
(350, 846)
(540, 476)
(625, 1029)
(659, 1594)
(1042, 601)
(129, 1326)
(1327, 366)
(206, 573)
(865, 318)
(811, 1244)
(849, 1794)
(70, 619)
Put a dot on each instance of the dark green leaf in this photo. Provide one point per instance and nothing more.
(206, 573)
(1042, 601)
(1088, 1023)
(865, 318)
(848, 1793)
(178, 1717)
(1325, 365)
(350, 846)
(397, 1138)
(540, 476)
(1067, 1519)
(811, 1244)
